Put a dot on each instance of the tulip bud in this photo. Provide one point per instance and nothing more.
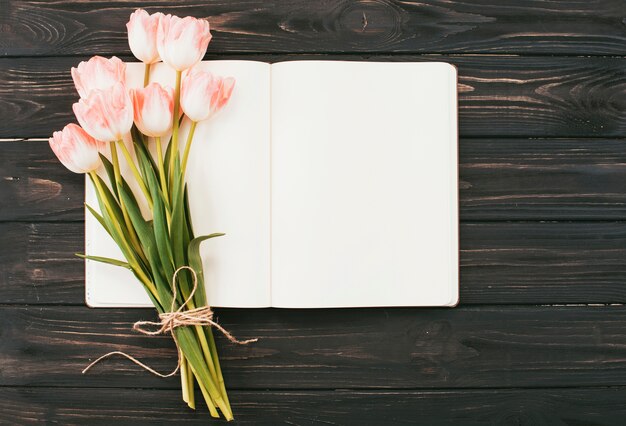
(98, 73)
(182, 42)
(142, 35)
(153, 108)
(76, 149)
(202, 94)
(107, 115)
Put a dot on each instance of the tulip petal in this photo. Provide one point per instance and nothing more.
(75, 149)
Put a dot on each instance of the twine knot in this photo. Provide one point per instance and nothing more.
(202, 316)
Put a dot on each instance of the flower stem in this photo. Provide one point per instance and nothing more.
(204, 344)
(209, 350)
(188, 342)
(216, 362)
(207, 396)
(116, 164)
(133, 168)
(184, 383)
(205, 351)
(146, 75)
(161, 167)
(174, 147)
(188, 146)
(190, 384)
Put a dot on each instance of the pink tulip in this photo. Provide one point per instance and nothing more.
(182, 42)
(227, 84)
(142, 35)
(98, 73)
(154, 109)
(107, 115)
(202, 94)
(76, 149)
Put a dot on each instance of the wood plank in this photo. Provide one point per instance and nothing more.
(39, 265)
(500, 179)
(506, 96)
(34, 185)
(548, 262)
(538, 179)
(486, 26)
(501, 263)
(72, 406)
(478, 347)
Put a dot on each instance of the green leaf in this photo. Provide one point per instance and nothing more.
(145, 170)
(166, 160)
(99, 218)
(136, 135)
(150, 171)
(108, 167)
(145, 233)
(144, 157)
(105, 260)
(134, 212)
(188, 223)
(162, 238)
(110, 200)
(159, 222)
(108, 221)
(178, 235)
(195, 262)
(178, 217)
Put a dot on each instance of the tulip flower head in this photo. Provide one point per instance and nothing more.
(202, 94)
(107, 115)
(75, 149)
(153, 108)
(142, 35)
(182, 42)
(98, 73)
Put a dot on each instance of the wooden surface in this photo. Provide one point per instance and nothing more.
(540, 334)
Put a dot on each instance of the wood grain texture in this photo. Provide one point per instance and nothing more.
(39, 265)
(500, 179)
(485, 26)
(36, 186)
(329, 349)
(499, 96)
(501, 263)
(539, 179)
(75, 406)
(549, 262)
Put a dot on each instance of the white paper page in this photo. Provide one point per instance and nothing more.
(364, 184)
(229, 191)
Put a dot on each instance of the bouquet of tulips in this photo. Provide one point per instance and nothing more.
(143, 125)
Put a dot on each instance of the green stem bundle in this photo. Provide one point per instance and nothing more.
(157, 247)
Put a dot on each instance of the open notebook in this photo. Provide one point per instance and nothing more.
(335, 183)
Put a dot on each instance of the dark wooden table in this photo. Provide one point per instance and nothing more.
(540, 334)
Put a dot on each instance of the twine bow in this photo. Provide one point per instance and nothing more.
(202, 316)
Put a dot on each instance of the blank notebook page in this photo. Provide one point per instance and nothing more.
(364, 184)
